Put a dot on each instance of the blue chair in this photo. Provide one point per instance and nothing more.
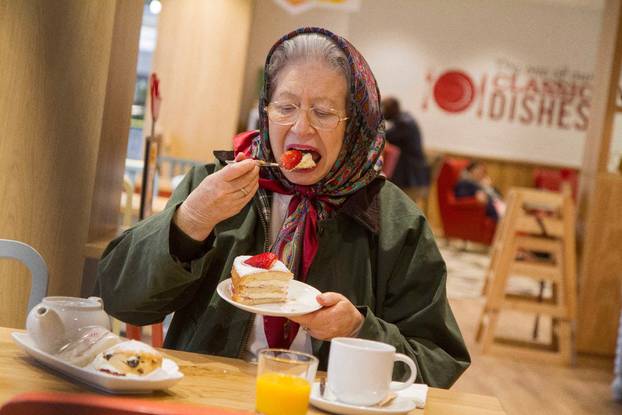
(35, 263)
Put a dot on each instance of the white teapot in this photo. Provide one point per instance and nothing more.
(56, 320)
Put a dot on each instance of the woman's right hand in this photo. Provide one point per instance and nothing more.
(219, 196)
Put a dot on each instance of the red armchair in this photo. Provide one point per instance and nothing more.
(552, 179)
(463, 218)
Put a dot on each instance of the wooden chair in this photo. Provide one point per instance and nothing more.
(168, 169)
(20, 251)
(127, 208)
(555, 179)
(542, 222)
(136, 333)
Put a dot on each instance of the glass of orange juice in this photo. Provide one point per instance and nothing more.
(284, 379)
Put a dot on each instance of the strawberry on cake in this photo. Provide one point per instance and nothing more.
(259, 279)
(296, 160)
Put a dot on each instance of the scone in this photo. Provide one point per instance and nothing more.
(128, 358)
(87, 345)
(259, 279)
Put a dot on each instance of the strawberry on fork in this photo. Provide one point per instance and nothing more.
(290, 159)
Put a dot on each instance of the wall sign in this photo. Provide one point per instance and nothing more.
(555, 98)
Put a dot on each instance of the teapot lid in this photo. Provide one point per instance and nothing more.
(73, 302)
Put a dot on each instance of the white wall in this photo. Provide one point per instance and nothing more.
(406, 41)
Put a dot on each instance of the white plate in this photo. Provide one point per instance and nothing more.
(329, 403)
(164, 378)
(300, 300)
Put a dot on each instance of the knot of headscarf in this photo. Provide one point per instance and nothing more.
(304, 209)
(357, 164)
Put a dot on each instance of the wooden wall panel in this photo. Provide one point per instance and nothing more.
(598, 226)
(200, 58)
(600, 293)
(55, 70)
(104, 218)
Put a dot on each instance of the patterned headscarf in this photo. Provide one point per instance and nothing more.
(357, 164)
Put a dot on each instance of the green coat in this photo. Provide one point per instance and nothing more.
(378, 251)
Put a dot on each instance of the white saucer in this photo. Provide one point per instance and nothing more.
(329, 403)
(162, 378)
(300, 300)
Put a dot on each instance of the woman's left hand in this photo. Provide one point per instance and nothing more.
(337, 318)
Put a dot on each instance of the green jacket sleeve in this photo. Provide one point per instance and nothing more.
(412, 312)
(138, 277)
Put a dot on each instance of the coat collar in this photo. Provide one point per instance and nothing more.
(364, 205)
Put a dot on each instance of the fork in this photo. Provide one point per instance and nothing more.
(260, 163)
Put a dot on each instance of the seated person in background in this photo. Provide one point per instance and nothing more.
(412, 173)
(475, 182)
(338, 226)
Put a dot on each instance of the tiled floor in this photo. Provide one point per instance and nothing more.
(466, 269)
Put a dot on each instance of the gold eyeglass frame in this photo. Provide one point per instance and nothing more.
(334, 111)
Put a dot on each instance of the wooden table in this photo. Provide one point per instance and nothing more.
(209, 380)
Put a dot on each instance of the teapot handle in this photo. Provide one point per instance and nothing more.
(98, 299)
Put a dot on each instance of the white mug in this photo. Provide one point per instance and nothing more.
(360, 371)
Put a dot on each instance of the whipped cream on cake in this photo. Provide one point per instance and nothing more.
(266, 282)
(306, 162)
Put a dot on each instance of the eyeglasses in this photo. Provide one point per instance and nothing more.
(284, 113)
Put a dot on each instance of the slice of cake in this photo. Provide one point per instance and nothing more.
(128, 358)
(259, 279)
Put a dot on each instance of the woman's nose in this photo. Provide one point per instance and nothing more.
(302, 125)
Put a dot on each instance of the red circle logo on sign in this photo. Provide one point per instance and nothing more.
(454, 91)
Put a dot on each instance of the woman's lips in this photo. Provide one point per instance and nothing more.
(300, 147)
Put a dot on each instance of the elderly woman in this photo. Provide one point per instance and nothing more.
(339, 227)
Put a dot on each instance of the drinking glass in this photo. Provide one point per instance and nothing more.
(284, 379)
